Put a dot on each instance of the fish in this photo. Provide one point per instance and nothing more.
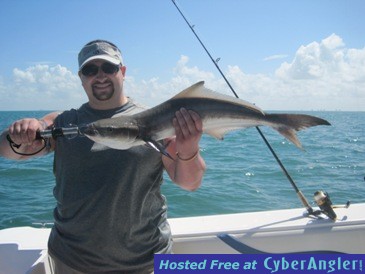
(220, 114)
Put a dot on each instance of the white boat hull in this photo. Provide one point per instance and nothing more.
(24, 249)
(280, 231)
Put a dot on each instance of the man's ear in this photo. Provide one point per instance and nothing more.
(123, 69)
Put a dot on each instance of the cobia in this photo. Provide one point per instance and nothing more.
(219, 113)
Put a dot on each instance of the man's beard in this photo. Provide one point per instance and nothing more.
(103, 95)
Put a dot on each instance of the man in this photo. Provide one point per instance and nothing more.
(110, 215)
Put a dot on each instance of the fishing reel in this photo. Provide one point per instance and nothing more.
(324, 202)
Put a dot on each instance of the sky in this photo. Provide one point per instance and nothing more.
(277, 54)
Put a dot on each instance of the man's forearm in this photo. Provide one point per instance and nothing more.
(189, 172)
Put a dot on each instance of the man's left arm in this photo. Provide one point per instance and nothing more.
(188, 167)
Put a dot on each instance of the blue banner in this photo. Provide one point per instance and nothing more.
(259, 263)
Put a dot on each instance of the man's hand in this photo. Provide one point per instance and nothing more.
(24, 131)
(189, 129)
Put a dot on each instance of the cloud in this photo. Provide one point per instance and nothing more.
(46, 79)
(153, 91)
(321, 75)
(275, 57)
(41, 87)
(329, 59)
(329, 71)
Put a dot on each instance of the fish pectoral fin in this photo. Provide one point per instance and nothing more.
(158, 147)
(99, 147)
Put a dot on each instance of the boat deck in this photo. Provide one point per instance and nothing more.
(24, 249)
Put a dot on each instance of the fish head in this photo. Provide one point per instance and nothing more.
(115, 133)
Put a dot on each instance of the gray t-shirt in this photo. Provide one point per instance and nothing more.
(110, 213)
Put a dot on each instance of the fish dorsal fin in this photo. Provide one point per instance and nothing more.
(198, 90)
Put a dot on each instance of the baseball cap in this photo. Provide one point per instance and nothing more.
(100, 49)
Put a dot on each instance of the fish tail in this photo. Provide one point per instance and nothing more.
(288, 124)
(291, 135)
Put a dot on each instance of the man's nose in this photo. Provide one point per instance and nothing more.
(101, 75)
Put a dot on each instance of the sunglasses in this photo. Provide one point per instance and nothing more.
(91, 69)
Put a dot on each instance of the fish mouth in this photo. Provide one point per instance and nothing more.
(90, 130)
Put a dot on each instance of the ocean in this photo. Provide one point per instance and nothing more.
(242, 175)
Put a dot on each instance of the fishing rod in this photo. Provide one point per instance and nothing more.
(215, 62)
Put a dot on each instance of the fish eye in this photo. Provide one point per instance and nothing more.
(110, 129)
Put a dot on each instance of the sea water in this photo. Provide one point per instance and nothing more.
(242, 175)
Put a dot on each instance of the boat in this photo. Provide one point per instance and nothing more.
(24, 249)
